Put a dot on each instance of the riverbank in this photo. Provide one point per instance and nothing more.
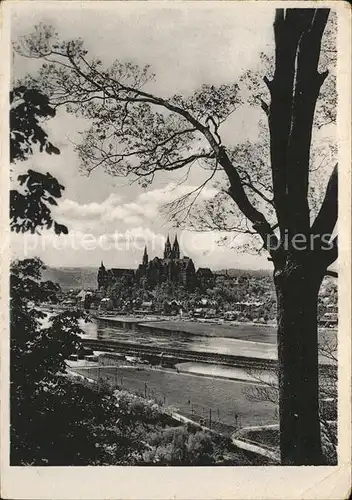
(177, 321)
(233, 330)
(255, 332)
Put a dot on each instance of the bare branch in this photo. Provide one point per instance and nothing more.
(267, 82)
(216, 128)
(265, 107)
(333, 274)
(179, 206)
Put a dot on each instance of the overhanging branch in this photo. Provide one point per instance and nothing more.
(333, 274)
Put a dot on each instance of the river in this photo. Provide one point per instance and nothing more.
(266, 349)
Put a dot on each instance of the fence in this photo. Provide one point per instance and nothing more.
(221, 420)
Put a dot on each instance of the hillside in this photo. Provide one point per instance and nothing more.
(72, 277)
(252, 273)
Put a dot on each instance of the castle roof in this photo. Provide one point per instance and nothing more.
(120, 271)
(205, 272)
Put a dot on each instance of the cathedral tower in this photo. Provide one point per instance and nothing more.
(167, 250)
(145, 257)
(102, 274)
(176, 249)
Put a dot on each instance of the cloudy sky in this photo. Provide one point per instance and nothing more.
(186, 44)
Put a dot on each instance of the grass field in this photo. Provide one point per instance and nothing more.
(266, 437)
(190, 393)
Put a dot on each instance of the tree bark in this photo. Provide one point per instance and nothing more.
(297, 286)
(298, 274)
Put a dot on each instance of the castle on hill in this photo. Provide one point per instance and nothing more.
(171, 268)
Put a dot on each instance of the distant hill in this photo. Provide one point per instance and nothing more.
(86, 277)
(72, 277)
(255, 273)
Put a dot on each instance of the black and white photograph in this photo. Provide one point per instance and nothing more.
(175, 279)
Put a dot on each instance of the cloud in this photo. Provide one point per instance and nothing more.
(133, 220)
(143, 209)
(171, 192)
(136, 238)
(73, 210)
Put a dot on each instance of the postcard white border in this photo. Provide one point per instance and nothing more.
(191, 482)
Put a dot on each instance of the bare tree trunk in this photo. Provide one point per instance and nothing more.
(297, 286)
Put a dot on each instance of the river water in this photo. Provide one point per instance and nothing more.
(187, 341)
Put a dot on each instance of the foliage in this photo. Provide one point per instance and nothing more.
(154, 438)
(27, 107)
(30, 203)
(52, 290)
(31, 208)
(53, 420)
(180, 446)
(62, 424)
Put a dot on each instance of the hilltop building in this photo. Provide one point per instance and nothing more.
(170, 268)
(108, 276)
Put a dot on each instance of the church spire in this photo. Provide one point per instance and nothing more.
(167, 250)
(145, 256)
(102, 275)
(176, 249)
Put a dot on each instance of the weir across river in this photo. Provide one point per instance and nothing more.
(170, 357)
